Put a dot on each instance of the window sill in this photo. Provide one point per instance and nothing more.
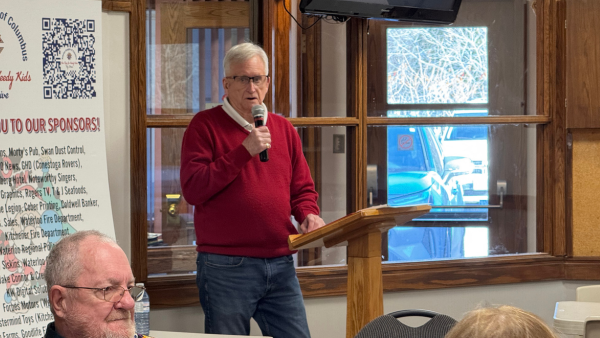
(180, 291)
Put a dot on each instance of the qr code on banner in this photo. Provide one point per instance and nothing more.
(69, 58)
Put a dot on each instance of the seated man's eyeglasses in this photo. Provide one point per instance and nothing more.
(114, 293)
(257, 80)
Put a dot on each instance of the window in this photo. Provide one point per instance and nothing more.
(185, 51)
(437, 65)
(431, 66)
(332, 106)
(438, 74)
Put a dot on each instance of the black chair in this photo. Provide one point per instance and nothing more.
(388, 326)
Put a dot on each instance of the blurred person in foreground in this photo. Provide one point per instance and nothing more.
(91, 288)
(501, 322)
(243, 206)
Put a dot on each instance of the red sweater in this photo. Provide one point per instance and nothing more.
(242, 205)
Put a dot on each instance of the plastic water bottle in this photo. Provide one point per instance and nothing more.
(142, 314)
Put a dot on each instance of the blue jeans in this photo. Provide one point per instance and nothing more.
(234, 289)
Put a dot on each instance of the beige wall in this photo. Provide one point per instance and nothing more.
(115, 60)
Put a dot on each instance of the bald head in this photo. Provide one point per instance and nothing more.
(62, 264)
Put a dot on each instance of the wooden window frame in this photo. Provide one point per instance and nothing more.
(507, 233)
(553, 185)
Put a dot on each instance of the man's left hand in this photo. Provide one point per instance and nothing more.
(311, 222)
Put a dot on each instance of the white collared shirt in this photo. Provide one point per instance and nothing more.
(238, 118)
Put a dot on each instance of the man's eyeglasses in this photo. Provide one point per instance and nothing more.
(245, 80)
(114, 293)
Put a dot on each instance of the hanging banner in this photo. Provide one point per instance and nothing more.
(53, 174)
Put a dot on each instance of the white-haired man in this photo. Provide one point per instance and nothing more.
(91, 288)
(243, 206)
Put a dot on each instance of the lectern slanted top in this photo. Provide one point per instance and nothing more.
(361, 232)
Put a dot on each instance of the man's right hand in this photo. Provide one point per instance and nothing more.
(258, 140)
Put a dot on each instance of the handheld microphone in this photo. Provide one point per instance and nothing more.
(258, 112)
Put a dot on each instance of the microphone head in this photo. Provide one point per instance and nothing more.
(258, 111)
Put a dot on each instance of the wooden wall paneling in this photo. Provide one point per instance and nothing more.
(583, 68)
(526, 50)
(172, 260)
(376, 106)
(300, 52)
(582, 268)
(280, 81)
(116, 6)
(569, 198)
(356, 32)
(541, 41)
(551, 101)
(327, 281)
(558, 112)
(265, 32)
(544, 220)
(377, 69)
(547, 54)
(310, 73)
(258, 20)
(162, 121)
(376, 93)
(173, 292)
(332, 281)
(544, 238)
(216, 14)
(472, 273)
(137, 75)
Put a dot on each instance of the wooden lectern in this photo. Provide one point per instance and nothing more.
(361, 232)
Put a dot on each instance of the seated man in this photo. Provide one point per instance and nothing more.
(91, 288)
(501, 322)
